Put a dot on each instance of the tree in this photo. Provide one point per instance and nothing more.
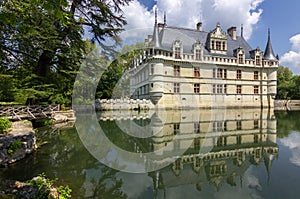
(41, 41)
(284, 83)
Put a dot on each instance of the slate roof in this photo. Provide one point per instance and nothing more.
(269, 53)
(188, 37)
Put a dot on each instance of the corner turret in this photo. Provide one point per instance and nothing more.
(269, 53)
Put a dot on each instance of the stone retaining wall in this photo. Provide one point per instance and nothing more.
(123, 104)
(16, 144)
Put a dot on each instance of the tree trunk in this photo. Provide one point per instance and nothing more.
(44, 63)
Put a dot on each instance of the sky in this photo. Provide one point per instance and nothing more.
(282, 17)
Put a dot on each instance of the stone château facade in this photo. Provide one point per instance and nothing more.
(186, 68)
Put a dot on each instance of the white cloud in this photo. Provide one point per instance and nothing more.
(187, 13)
(291, 59)
(293, 143)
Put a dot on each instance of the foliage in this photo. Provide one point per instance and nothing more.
(42, 45)
(48, 122)
(44, 186)
(288, 85)
(14, 146)
(114, 82)
(5, 124)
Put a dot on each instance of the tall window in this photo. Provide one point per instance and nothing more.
(196, 72)
(224, 46)
(257, 60)
(177, 53)
(196, 88)
(214, 88)
(241, 58)
(198, 54)
(176, 70)
(151, 69)
(197, 127)
(225, 88)
(239, 125)
(256, 91)
(219, 88)
(256, 75)
(218, 45)
(176, 128)
(225, 73)
(239, 74)
(255, 122)
(214, 73)
(213, 44)
(176, 87)
(219, 73)
(239, 89)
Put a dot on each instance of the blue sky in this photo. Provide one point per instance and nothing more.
(282, 17)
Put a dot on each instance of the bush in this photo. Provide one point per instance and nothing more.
(44, 185)
(14, 146)
(5, 124)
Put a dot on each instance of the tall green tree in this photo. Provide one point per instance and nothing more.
(41, 41)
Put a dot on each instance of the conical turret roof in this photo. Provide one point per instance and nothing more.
(269, 53)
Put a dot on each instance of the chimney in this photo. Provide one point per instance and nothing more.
(199, 26)
(232, 32)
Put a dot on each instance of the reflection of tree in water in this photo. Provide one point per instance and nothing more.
(108, 186)
(289, 121)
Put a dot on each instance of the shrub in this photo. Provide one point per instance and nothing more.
(14, 146)
(4, 124)
(48, 122)
(44, 184)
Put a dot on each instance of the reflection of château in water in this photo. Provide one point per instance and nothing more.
(237, 139)
(217, 146)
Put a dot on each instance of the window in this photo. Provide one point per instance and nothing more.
(239, 125)
(176, 70)
(176, 128)
(239, 74)
(177, 53)
(256, 75)
(225, 89)
(197, 146)
(196, 88)
(224, 45)
(152, 69)
(255, 124)
(219, 73)
(214, 73)
(219, 88)
(214, 88)
(257, 60)
(239, 89)
(198, 54)
(196, 127)
(213, 44)
(241, 58)
(196, 72)
(225, 73)
(256, 91)
(176, 87)
(218, 45)
(255, 138)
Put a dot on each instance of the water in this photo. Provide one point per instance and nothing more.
(242, 153)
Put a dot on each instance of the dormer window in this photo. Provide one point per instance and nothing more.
(257, 60)
(177, 49)
(241, 58)
(198, 51)
(217, 41)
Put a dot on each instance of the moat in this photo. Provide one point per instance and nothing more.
(242, 153)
